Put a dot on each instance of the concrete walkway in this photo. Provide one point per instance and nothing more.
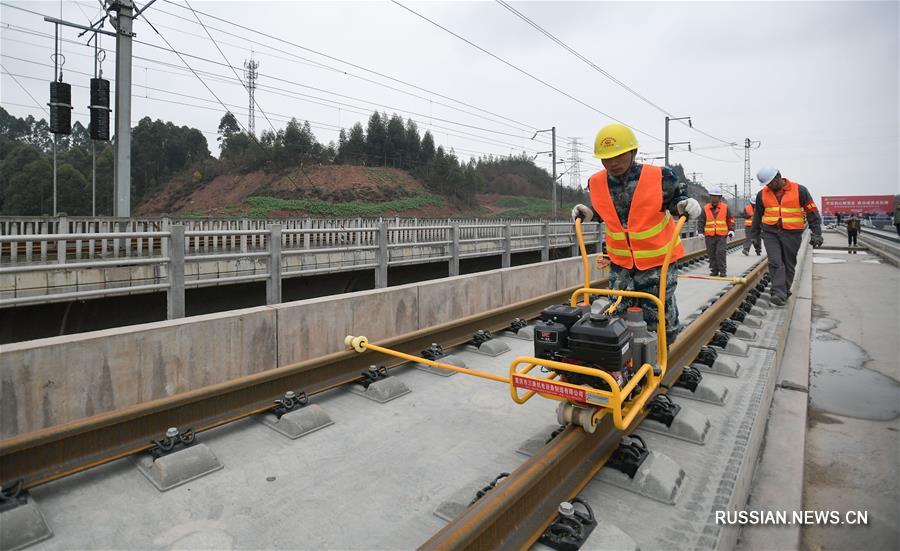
(853, 439)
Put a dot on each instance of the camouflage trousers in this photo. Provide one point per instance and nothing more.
(647, 281)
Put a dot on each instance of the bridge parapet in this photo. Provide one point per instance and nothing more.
(108, 257)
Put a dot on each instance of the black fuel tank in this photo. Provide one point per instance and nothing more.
(601, 340)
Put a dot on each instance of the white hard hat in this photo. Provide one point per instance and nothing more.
(715, 191)
(766, 174)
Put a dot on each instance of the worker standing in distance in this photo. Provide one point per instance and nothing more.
(748, 223)
(718, 227)
(637, 203)
(779, 218)
(853, 230)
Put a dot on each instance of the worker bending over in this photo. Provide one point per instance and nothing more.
(783, 208)
(748, 222)
(637, 203)
(718, 227)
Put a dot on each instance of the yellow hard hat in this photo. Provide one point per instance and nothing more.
(613, 140)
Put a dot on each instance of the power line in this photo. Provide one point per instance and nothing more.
(354, 65)
(6, 71)
(600, 70)
(294, 83)
(301, 96)
(523, 71)
(284, 118)
(235, 109)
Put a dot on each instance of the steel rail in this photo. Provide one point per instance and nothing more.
(55, 452)
(515, 513)
(48, 454)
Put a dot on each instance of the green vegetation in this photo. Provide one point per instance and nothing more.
(265, 206)
(525, 207)
(164, 154)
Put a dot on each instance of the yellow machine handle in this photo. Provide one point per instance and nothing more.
(740, 280)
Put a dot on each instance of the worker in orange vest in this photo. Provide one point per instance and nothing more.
(638, 204)
(748, 223)
(718, 226)
(783, 210)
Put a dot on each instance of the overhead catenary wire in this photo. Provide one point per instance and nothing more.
(524, 72)
(236, 109)
(408, 112)
(356, 66)
(420, 122)
(325, 126)
(605, 73)
(6, 72)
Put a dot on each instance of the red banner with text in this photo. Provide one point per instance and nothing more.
(866, 204)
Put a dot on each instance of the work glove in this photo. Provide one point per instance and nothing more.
(730, 234)
(690, 207)
(583, 212)
(816, 241)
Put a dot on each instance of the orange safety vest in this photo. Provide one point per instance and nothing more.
(716, 224)
(748, 210)
(644, 241)
(788, 211)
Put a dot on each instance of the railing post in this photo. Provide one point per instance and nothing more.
(175, 294)
(454, 249)
(164, 224)
(506, 261)
(273, 283)
(545, 241)
(576, 252)
(62, 226)
(381, 257)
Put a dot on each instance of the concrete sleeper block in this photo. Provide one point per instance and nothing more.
(708, 391)
(493, 347)
(607, 537)
(659, 477)
(752, 322)
(449, 359)
(23, 525)
(298, 423)
(381, 391)
(735, 347)
(745, 334)
(689, 425)
(536, 442)
(177, 468)
(526, 333)
(724, 365)
(459, 501)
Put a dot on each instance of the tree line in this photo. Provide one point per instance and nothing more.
(163, 150)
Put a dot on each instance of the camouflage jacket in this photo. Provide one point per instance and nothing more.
(622, 190)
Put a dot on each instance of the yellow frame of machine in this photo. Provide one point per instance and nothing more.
(614, 400)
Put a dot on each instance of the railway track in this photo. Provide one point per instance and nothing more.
(516, 513)
(43, 456)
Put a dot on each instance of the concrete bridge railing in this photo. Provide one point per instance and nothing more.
(39, 267)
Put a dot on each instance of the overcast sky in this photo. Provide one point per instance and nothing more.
(815, 82)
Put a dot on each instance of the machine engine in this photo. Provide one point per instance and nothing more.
(615, 344)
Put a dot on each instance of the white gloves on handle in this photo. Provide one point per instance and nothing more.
(730, 234)
(690, 207)
(583, 212)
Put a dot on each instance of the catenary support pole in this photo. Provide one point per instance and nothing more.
(122, 204)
